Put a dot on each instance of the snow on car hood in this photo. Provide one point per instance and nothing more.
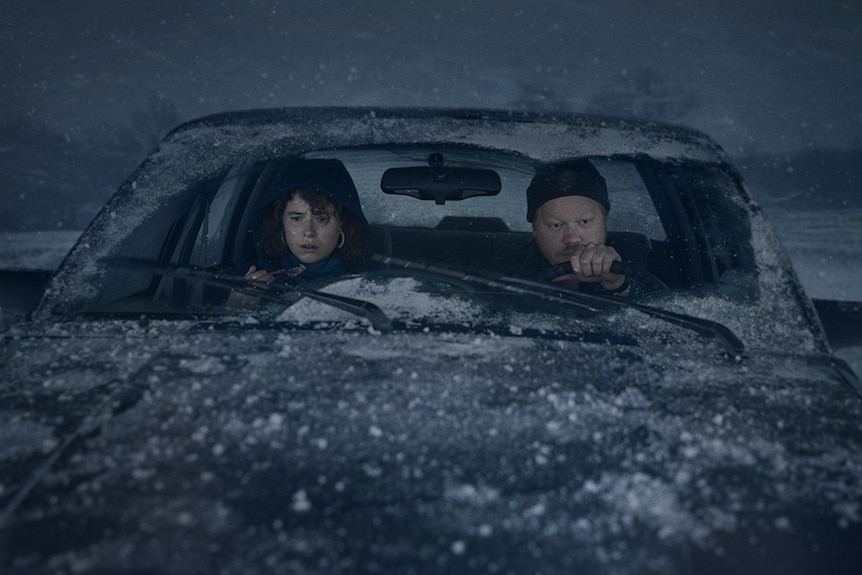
(380, 447)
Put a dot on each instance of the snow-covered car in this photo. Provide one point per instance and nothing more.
(431, 412)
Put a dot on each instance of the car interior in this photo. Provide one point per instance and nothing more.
(669, 215)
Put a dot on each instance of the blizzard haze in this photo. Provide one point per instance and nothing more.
(89, 88)
(663, 449)
(777, 76)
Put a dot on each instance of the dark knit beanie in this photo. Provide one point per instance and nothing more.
(572, 178)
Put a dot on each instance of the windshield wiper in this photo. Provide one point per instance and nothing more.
(585, 303)
(281, 293)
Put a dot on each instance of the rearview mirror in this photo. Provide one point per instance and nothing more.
(439, 182)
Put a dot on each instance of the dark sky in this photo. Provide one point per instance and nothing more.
(772, 77)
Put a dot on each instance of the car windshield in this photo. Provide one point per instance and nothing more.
(446, 206)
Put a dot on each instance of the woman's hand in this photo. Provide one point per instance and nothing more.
(241, 300)
(257, 275)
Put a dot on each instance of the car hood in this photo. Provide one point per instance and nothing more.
(185, 447)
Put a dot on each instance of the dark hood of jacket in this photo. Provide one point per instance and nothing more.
(327, 175)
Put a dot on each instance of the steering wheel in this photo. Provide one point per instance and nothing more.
(650, 281)
(565, 268)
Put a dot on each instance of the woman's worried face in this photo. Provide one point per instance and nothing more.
(311, 236)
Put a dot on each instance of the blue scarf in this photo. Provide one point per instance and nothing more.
(331, 266)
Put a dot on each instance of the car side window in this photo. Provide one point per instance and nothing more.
(222, 219)
(632, 209)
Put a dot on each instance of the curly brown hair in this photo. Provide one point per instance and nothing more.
(270, 235)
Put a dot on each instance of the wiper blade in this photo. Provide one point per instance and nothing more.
(704, 327)
(280, 293)
(586, 303)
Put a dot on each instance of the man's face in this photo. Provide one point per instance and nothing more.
(568, 221)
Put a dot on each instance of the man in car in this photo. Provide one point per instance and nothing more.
(568, 206)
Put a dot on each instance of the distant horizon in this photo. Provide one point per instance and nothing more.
(49, 172)
(89, 89)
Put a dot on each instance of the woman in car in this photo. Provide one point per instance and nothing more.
(310, 225)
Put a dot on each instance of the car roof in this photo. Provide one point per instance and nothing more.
(544, 137)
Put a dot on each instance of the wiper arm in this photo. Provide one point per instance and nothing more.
(488, 278)
(704, 327)
(587, 303)
(263, 290)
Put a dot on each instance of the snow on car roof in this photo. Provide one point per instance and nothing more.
(542, 136)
